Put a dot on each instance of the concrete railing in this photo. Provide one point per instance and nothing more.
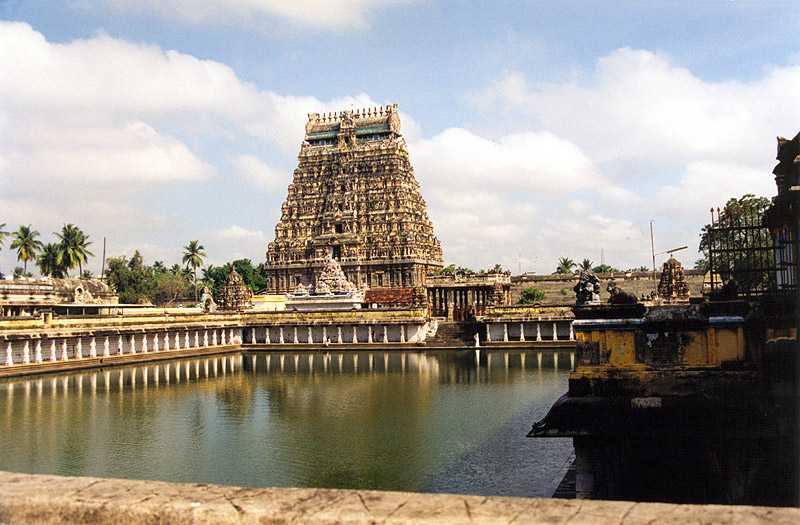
(42, 499)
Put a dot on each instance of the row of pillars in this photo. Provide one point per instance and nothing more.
(153, 343)
(522, 336)
(340, 337)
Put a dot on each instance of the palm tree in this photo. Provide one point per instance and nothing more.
(26, 244)
(565, 265)
(586, 264)
(3, 234)
(48, 261)
(74, 246)
(193, 255)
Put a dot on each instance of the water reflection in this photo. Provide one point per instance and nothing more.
(384, 420)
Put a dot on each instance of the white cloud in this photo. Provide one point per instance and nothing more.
(236, 232)
(257, 172)
(326, 14)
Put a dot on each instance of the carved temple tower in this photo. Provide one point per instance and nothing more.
(354, 198)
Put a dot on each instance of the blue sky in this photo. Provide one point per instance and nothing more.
(536, 129)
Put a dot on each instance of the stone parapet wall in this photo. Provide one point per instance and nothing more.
(558, 288)
(43, 499)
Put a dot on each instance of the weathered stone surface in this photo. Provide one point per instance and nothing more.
(39, 499)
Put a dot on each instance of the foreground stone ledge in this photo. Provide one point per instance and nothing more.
(43, 499)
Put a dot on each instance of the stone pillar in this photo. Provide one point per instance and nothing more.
(78, 348)
(488, 332)
(231, 339)
(296, 341)
(522, 331)
(205, 338)
(107, 347)
(53, 350)
(133, 343)
(214, 337)
(253, 335)
(280, 333)
(38, 351)
(477, 340)
(9, 355)
(186, 342)
(266, 335)
(339, 334)
(64, 354)
(166, 341)
(555, 332)
(369, 334)
(571, 333)
(155, 342)
(538, 332)
(402, 333)
(197, 339)
(505, 332)
(310, 338)
(144, 343)
(355, 334)
(93, 348)
(26, 353)
(324, 335)
(385, 334)
(222, 337)
(119, 345)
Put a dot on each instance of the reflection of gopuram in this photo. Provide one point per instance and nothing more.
(353, 198)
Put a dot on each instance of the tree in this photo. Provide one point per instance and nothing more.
(450, 269)
(497, 268)
(565, 265)
(604, 268)
(48, 261)
(3, 234)
(27, 245)
(531, 295)
(193, 255)
(586, 265)
(74, 246)
(747, 209)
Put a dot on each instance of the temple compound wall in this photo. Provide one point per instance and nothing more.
(354, 198)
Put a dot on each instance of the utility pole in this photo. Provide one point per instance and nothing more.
(653, 249)
(103, 267)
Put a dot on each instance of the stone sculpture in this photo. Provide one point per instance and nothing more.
(617, 295)
(235, 294)
(672, 287)
(587, 290)
(207, 301)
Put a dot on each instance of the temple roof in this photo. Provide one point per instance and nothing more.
(364, 121)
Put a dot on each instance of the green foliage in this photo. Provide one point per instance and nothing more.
(450, 269)
(169, 287)
(701, 264)
(586, 264)
(27, 245)
(255, 277)
(531, 295)
(49, 261)
(604, 268)
(749, 209)
(193, 255)
(565, 265)
(74, 248)
(3, 234)
(19, 271)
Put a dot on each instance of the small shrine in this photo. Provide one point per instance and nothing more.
(235, 294)
(331, 291)
(587, 289)
(673, 288)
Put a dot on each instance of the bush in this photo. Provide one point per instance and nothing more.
(531, 295)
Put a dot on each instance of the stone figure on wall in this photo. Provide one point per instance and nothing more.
(207, 301)
(617, 295)
(587, 290)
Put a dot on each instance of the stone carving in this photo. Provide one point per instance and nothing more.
(332, 280)
(353, 198)
(235, 294)
(672, 287)
(587, 290)
(82, 296)
(207, 301)
(617, 295)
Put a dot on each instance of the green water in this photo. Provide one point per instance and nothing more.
(393, 421)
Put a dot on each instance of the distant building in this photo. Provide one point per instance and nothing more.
(29, 297)
(354, 198)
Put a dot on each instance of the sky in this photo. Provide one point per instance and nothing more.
(536, 129)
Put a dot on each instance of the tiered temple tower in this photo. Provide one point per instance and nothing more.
(353, 198)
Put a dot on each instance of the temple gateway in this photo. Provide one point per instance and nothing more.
(353, 198)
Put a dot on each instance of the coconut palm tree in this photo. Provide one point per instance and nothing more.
(27, 245)
(586, 264)
(74, 246)
(193, 255)
(3, 234)
(48, 261)
(565, 265)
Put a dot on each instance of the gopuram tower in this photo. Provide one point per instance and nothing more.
(354, 198)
